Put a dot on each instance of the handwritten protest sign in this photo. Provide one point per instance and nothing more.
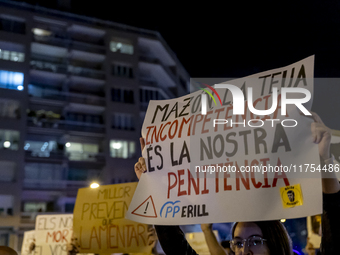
(100, 224)
(206, 164)
(53, 233)
(29, 246)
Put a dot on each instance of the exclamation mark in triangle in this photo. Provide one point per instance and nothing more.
(146, 209)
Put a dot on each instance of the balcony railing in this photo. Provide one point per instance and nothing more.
(68, 97)
(66, 125)
(53, 155)
(151, 82)
(63, 155)
(155, 60)
(64, 69)
(53, 184)
(68, 42)
(48, 66)
(86, 72)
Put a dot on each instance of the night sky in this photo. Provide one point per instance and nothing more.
(232, 39)
(238, 38)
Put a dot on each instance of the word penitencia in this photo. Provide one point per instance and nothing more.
(184, 183)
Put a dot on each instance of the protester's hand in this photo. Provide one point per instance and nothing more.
(206, 227)
(152, 236)
(140, 166)
(309, 249)
(322, 136)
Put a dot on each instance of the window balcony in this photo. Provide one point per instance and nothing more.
(54, 184)
(48, 66)
(67, 42)
(37, 92)
(64, 69)
(95, 157)
(154, 60)
(86, 72)
(65, 125)
(149, 81)
(49, 155)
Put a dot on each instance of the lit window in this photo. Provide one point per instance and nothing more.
(81, 151)
(122, 149)
(9, 139)
(41, 32)
(11, 80)
(35, 206)
(6, 205)
(12, 55)
(40, 149)
(122, 47)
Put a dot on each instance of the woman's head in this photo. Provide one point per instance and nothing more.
(267, 237)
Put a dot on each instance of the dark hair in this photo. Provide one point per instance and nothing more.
(225, 244)
(278, 240)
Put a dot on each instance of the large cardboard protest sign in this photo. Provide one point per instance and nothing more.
(29, 246)
(246, 167)
(53, 233)
(100, 224)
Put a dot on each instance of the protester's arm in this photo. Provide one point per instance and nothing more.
(322, 136)
(214, 247)
(331, 190)
(171, 238)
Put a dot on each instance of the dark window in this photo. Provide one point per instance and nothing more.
(69, 207)
(122, 95)
(12, 26)
(122, 71)
(183, 83)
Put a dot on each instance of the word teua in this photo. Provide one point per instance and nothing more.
(238, 100)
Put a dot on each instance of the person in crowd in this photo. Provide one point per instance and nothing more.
(215, 248)
(269, 237)
(4, 250)
(31, 247)
(226, 246)
(73, 246)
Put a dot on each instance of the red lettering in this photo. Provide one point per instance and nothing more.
(164, 137)
(280, 176)
(173, 185)
(196, 184)
(170, 135)
(180, 183)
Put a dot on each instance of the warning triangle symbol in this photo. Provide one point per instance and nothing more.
(146, 209)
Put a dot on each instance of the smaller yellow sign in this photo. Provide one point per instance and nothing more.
(291, 196)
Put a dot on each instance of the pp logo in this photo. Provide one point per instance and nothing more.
(170, 208)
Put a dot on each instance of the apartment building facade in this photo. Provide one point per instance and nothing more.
(73, 94)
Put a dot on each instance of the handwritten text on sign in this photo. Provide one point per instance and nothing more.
(100, 224)
(53, 233)
(184, 149)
